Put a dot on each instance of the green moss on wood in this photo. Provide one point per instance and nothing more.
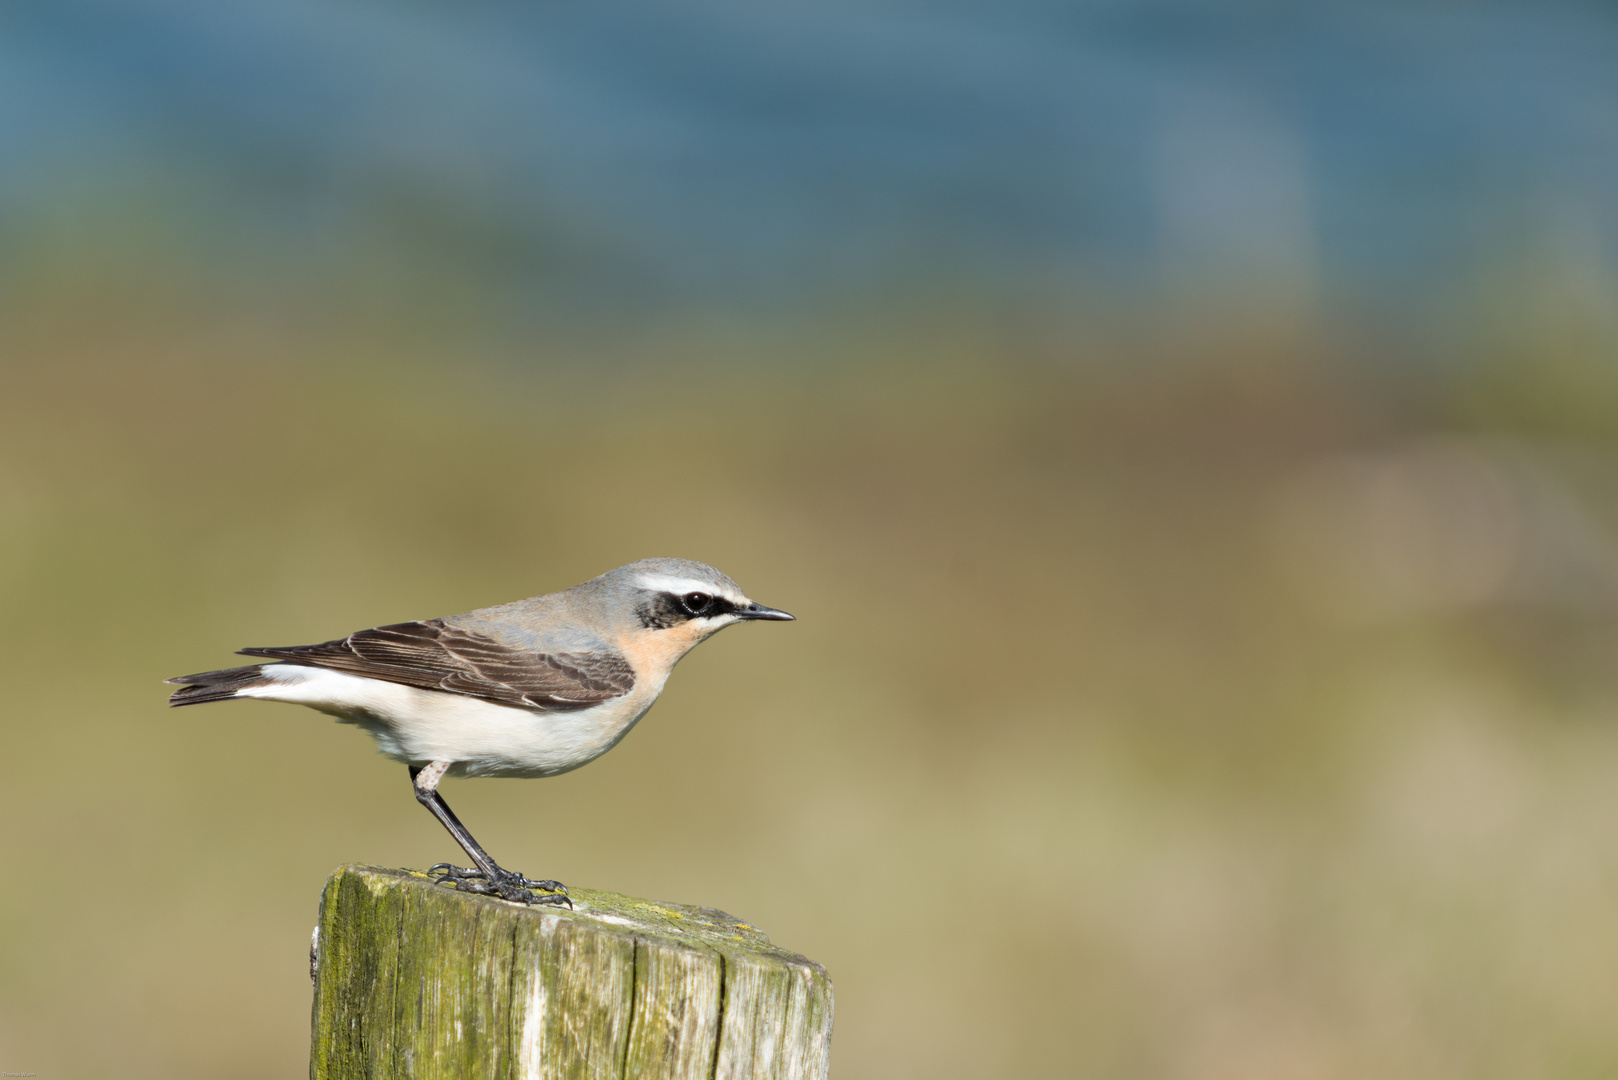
(414, 979)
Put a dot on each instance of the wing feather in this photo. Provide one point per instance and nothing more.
(431, 655)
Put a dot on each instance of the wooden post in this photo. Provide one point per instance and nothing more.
(418, 980)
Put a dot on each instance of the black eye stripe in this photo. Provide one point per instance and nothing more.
(665, 609)
(705, 605)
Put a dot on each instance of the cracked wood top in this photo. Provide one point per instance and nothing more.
(413, 979)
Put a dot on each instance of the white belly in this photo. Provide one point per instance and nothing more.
(481, 738)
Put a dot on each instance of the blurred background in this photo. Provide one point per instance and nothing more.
(1185, 430)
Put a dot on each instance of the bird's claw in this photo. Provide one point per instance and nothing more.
(509, 886)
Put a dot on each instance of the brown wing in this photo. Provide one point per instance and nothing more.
(433, 656)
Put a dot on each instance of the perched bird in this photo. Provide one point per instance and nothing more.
(531, 688)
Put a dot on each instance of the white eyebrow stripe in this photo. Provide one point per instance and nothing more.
(678, 585)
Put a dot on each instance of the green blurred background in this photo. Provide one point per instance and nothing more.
(1185, 432)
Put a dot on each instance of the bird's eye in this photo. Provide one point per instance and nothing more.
(695, 602)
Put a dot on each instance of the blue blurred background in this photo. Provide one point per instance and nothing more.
(1184, 429)
(1344, 162)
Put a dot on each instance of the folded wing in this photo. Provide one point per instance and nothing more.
(432, 656)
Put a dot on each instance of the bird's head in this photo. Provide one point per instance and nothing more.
(666, 606)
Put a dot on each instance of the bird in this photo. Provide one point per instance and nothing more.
(532, 688)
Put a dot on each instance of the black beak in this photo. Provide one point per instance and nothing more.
(759, 611)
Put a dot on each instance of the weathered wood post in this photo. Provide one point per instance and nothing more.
(417, 980)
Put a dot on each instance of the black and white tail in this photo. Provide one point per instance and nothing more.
(216, 685)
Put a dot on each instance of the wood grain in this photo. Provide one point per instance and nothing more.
(417, 980)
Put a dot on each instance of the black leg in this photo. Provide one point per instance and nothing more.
(488, 877)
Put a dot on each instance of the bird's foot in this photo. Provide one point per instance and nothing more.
(505, 884)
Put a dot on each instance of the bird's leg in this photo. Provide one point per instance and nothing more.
(488, 878)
